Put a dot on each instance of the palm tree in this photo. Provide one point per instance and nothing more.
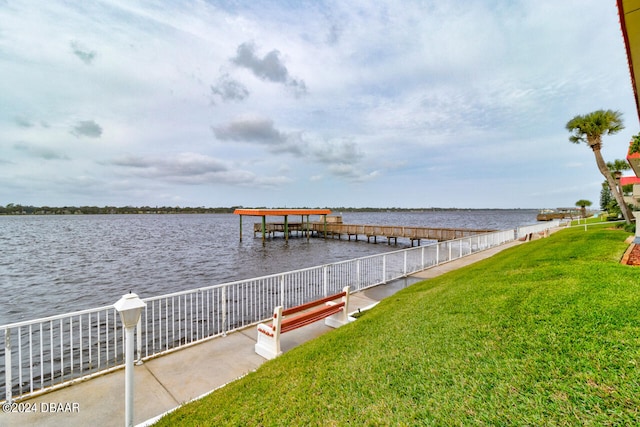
(583, 206)
(615, 168)
(590, 128)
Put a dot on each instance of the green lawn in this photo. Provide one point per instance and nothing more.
(545, 333)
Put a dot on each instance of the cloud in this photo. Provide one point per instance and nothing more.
(341, 157)
(39, 152)
(131, 161)
(85, 55)
(193, 169)
(228, 89)
(269, 68)
(250, 129)
(23, 122)
(181, 165)
(337, 152)
(352, 173)
(87, 128)
(261, 131)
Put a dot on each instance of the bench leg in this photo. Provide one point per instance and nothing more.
(268, 340)
(267, 346)
(341, 318)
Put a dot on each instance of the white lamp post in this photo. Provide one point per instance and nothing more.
(130, 308)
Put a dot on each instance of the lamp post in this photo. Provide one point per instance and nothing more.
(130, 308)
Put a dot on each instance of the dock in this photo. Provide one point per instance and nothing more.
(333, 227)
(304, 214)
(393, 232)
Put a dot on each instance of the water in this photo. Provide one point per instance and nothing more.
(57, 264)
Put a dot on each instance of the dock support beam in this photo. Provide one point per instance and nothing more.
(324, 220)
(286, 228)
(240, 228)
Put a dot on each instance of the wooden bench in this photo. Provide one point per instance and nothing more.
(334, 313)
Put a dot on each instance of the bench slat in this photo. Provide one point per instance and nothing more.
(309, 317)
(308, 305)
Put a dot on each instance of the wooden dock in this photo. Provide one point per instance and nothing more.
(271, 228)
(392, 232)
(333, 226)
(285, 213)
(371, 232)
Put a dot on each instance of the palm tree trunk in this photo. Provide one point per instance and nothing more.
(604, 170)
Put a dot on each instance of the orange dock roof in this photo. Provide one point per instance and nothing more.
(281, 212)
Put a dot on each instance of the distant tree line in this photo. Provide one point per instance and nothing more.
(18, 209)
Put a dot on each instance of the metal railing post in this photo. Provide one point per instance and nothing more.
(7, 364)
(139, 341)
(404, 266)
(325, 279)
(384, 269)
(224, 311)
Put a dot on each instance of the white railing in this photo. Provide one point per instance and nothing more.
(537, 228)
(48, 353)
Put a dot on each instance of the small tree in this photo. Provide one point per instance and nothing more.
(605, 197)
(634, 147)
(582, 204)
(615, 168)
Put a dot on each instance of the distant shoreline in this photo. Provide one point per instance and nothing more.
(14, 209)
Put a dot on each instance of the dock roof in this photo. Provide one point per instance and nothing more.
(281, 212)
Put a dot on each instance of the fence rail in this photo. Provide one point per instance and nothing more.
(48, 353)
(523, 231)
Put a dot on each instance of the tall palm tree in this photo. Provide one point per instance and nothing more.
(582, 204)
(590, 128)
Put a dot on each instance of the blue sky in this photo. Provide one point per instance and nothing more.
(304, 103)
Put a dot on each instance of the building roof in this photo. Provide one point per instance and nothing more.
(629, 11)
(626, 180)
(634, 162)
(281, 212)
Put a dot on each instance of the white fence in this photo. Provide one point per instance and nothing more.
(539, 228)
(48, 353)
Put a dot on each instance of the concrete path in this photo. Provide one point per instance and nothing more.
(163, 383)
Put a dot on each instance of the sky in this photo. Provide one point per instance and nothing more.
(345, 103)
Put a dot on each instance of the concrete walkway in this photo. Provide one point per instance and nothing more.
(163, 383)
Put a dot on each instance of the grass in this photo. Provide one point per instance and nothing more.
(545, 333)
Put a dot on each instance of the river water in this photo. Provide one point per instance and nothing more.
(52, 265)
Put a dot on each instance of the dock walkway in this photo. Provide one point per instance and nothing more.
(393, 232)
(371, 232)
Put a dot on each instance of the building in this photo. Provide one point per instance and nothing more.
(629, 11)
